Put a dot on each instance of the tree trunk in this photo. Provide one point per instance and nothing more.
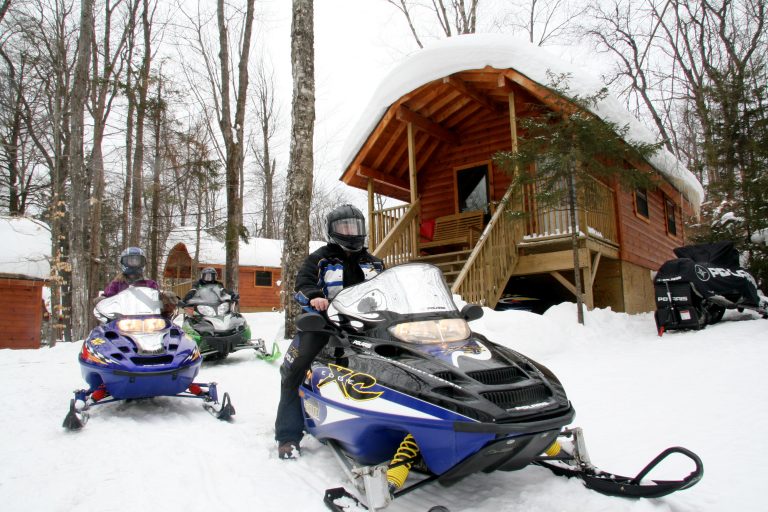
(141, 112)
(154, 257)
(299, 180)
(233, 138)
(79, 195)
(575, 247)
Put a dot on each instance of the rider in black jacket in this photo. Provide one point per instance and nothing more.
(341, 263)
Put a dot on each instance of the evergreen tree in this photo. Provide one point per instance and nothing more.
(573, 151)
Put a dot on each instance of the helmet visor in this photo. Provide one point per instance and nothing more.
(132, 260)
(348, 227)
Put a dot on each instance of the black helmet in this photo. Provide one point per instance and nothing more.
(346, 227)
(208, 275)
(132, 261)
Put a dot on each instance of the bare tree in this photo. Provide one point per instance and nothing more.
(233, 136)
(454, 17)
(629, 34)
(543, 21)
(79, 195)
(107, 66)
(299, 180)
(142, 89)
(267, 115)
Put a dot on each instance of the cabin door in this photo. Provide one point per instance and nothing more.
(472, 189)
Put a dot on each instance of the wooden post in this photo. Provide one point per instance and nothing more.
(512, 119)
(371, 226)
(414, 189)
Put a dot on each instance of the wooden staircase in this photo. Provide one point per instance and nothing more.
(450, 263)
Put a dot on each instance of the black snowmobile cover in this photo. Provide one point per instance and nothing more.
(713, 270)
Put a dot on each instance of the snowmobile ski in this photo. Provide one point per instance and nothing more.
(224, 412)
(75, 419)
(261, 350)
(577, 464)
(339, 499)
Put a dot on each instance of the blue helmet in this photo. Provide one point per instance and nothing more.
(132, 261)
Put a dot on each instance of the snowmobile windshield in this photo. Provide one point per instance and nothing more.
(133, 301)
(410, 289)
(209, 294)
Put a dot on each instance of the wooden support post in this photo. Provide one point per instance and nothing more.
(589, 298)
(512, 120)
(371, 227)
(413, 179)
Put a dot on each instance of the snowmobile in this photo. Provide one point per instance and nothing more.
(137, 353)
(218, 327)
(694, 289)
(404, 386)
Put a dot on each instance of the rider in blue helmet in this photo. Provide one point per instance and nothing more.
(132, 262)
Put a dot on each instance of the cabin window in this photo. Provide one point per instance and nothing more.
(472, 189)
(263, 278)
(669, 212)
(641, 202)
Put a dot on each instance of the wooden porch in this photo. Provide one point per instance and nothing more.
(519, 239)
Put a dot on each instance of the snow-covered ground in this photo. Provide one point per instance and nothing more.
(635, 394)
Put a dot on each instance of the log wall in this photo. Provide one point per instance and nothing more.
(21, 313)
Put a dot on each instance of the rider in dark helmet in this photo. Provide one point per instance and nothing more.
(345, 227)
(132, 262)
(209, 277)
(343, 262)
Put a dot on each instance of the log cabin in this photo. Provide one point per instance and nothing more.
(428, 138)
(188, 252)
(24, 271)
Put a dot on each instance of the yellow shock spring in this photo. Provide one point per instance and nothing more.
(553, 450)
(408, 450)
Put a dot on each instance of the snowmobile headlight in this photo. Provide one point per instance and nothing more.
(206, 310)
(141, 325)
(223, 309)
(445, 330)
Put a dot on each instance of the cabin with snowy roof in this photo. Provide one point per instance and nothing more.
(189, 251)
(428, 138)
(24, 271)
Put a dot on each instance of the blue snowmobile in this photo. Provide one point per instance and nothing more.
(137, 353)
(404, 386)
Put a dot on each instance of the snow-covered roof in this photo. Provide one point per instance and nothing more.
(476, 51)
(26, 247)
(258, 252)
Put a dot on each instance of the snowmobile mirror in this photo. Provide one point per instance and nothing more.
(310, 322)
(471, 312)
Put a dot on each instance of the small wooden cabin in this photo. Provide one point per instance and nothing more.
(260, 266)
(428, 138)
(24, 269)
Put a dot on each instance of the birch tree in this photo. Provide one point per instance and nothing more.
(299, 179)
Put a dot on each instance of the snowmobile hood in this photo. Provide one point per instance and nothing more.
(470, 376)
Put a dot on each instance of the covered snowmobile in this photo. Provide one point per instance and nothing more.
(697, 287)
(404, 384)
(212, 319)
(137, 353)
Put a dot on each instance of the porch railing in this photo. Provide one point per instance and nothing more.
(484, 276)
(599, 216)
(393, 234)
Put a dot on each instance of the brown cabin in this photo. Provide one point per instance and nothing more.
(24, 269)
(428, 139)
(260, 268)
